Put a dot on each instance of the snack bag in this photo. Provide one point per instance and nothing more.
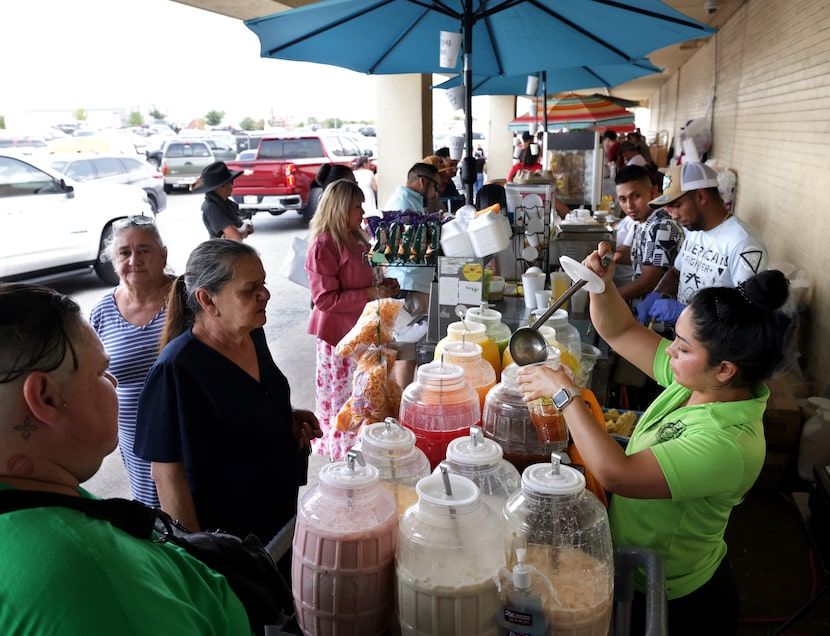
(376, 394)
(373, 328)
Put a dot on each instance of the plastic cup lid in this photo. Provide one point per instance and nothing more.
(388, 438)
(339, 475)
(462, 450)
(440, 370)
(431, 490)
(542, 479)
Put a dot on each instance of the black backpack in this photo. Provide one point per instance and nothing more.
(245, 563)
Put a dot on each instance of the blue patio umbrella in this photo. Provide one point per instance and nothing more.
(558, 80)
(499, 37)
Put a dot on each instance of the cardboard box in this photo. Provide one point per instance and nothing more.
(782, 419)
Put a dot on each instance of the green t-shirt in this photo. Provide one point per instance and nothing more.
(711, 455)
(65, 573)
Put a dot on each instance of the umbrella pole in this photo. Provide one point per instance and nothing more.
(468, 167)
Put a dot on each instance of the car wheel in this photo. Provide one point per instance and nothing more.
(168, 188)
(314, 196)
(154, 205)
(103, 267)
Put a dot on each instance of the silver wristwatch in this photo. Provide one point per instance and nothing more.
(563, 397)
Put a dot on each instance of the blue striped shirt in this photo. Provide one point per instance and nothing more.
(132, 351)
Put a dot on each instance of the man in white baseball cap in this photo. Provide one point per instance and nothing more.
(718, 249)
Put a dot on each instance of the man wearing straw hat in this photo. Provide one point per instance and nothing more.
(220, 214)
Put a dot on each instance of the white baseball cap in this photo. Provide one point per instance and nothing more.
(684, 178)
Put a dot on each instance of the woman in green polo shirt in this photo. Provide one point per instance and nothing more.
(697, 449)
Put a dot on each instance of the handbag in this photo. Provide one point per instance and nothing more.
(293, 266)
(245, 563)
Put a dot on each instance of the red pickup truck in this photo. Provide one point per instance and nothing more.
(280, 177)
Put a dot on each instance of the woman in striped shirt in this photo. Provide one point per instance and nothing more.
(129, 321)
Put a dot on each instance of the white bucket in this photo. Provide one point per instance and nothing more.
(489, 233)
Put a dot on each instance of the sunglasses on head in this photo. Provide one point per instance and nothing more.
(133, 221)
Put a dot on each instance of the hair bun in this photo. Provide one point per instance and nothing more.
(768, 289)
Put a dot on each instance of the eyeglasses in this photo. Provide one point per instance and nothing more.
(133, 221)
(430, 179)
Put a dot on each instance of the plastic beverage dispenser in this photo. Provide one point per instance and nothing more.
(477, 371)
(438, 407)
(564, 530)
(496, 330)
(471, 331)
(814, 448)
(343, 564)
(390, 447)
(449, 547)
(506, 420)
(482, 461)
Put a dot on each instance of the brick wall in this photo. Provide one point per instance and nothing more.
(768, 70)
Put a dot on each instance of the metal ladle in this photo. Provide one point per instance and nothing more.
(527, 345)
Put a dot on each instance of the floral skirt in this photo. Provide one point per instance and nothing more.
(334, 387)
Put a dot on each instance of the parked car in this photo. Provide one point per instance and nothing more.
(25, 145)
(222, 150)
(246, 155)
(182, 161)
(112, 168)
(52, 223)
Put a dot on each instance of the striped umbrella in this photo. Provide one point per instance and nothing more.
(572, 112)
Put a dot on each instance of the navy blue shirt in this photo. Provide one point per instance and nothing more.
(233, 434)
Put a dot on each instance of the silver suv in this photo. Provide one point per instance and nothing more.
(182, 161)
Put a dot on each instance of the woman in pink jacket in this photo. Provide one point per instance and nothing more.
(341, 283)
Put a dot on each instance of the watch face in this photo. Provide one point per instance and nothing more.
(561, 399)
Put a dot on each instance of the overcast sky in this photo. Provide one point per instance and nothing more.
(122, 53)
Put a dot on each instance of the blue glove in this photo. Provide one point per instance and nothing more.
(667, 310)
(644, 308)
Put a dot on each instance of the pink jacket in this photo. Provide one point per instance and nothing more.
(338, 287)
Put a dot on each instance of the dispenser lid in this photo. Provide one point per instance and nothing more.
(474, 450)
(342, 475)
(484, 313)
(440, 370)
(468, 326)
(388, 436)
(431, 489)
(463, 349)
(559, 316)
(543, 478)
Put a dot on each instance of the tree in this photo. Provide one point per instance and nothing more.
(214, 117)
(248, 124)
(2, 121)
(79, 114)
(136, 119)
(155, 113)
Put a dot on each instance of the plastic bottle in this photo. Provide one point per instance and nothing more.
(449, 546)
(470, 330)
(477, 371)
(814, 448)
(439, 406)
(506, 420)
(390, 447)
(524, 595)
(497, 331)
(565, 530)
(344, 552)
(482, 461)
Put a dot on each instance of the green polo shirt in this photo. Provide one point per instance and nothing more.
(711, 455)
